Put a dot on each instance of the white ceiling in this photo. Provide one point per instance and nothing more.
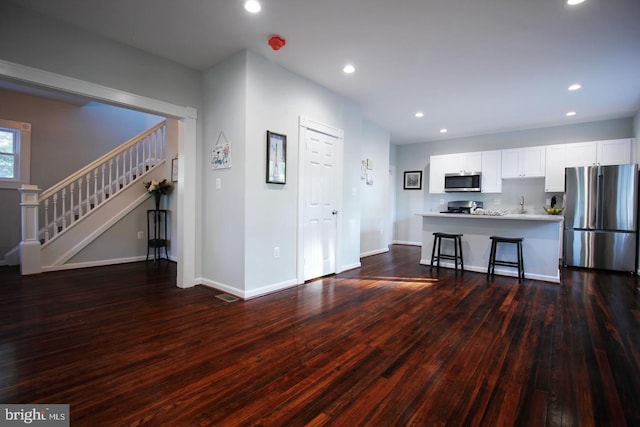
(472, 66)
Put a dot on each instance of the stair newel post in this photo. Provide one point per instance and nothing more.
(30, 256)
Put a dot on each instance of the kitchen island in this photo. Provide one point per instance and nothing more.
(542, 245)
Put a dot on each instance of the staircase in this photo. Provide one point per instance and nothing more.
(78, 209)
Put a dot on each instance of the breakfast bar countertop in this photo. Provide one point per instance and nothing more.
(525, 217)
(542, 245)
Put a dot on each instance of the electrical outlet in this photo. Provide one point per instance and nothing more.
(140, 235)
(497, 201)
(548, 202)
(218, 183)
(276, 252)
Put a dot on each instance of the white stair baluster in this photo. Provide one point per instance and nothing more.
(110, 177)
(102, 185)
(46, 220)
(95, 188)
(80, 197)
(63, 211)
(88, 193)
(55, 214)
(72, 219)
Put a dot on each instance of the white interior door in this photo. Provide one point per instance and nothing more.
(320, 199)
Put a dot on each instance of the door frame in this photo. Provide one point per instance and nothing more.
(305, 123)
(187, 218)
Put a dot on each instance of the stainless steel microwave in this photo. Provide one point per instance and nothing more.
(462, 182)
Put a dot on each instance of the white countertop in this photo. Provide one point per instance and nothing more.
(521, 217)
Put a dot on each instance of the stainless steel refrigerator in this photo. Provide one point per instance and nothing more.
(600, 217)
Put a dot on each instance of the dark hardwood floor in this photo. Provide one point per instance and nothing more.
(388, 344)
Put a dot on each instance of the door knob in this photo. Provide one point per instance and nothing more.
(334, 212)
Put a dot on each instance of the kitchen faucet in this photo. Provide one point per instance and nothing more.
(522, 208)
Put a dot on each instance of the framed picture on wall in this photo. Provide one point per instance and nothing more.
(413, 180)
(174, 169)
(276, 158)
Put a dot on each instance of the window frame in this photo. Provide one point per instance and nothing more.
(22, 154)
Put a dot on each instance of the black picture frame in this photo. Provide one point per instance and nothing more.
(413, 180)
(276, 158)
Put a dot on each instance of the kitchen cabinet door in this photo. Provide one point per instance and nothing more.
(463, 162)
(532, 161)
(510, 163)
(437, 167)
(492, 171)
(523, 162)
(613, 152)
(554, 168)
(581, 154)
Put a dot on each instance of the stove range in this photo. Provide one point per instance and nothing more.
(462, 206)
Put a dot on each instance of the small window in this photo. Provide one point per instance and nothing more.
(15, 151)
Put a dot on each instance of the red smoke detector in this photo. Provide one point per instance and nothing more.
(276, 42)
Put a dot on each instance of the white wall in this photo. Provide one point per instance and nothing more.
(408, 226)
(636, 133)
(246, 96)
(223, 210)
(276, 100)
(375, 207)
(32, 39)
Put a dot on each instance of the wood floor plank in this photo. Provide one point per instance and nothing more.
(390, 343)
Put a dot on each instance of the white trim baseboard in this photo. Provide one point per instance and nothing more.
(376, 252)
(87, 264)
(402, 242)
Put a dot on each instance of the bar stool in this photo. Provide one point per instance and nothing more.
(456, 257)
(492, 256)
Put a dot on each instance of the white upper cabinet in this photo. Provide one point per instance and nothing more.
(437, 166)
(554, 168)
(608, 152)
(525, 162)
(559, 157)
(613, 152)
(464, 163)
(451, 163)
(492, 171)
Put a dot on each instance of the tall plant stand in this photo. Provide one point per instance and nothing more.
(157, 233)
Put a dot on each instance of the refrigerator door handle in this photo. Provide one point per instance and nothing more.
(599, 200)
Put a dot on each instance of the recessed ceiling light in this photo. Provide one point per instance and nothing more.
(349, 69)
(574, 2)
(575, 86)
(443, 131)
(252, 6)
(419, 114)
(571, 113)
